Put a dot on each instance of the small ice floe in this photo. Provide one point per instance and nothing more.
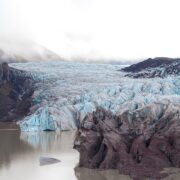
(47, 161)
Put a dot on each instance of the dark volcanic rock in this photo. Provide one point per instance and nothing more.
(158, 67)
(139, 144)
(149, 63)
(16, 89)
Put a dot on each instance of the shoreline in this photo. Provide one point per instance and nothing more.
(9, 126)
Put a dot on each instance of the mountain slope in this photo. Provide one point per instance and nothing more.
(18, 50)
(16, 88)
(158, 67)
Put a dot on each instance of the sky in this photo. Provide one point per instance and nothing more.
(96, 29)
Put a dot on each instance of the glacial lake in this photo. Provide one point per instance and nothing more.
(20, 153)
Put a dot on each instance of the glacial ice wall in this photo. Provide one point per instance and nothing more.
(66, 91)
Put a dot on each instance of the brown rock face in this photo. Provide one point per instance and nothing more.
(139, 144)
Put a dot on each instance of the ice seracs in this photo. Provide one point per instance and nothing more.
(63, 88)
(65, 92)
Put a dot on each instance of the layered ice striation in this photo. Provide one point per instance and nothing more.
(66, 91)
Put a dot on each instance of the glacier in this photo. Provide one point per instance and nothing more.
(65, 92)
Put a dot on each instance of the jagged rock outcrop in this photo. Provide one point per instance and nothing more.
(139, 143)
(150, 68)
(16, 88)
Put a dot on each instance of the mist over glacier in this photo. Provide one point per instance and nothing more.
(21, 49)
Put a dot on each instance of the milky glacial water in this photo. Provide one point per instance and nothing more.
(20, 153)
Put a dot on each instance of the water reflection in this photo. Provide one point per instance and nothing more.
(89, 174)
(11, 146)
(49, 141)
(20, 153)
(174, 173)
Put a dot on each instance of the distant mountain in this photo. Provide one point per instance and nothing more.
(15, 50)
(157, 67)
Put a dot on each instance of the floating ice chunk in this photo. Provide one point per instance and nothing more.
(47, 161)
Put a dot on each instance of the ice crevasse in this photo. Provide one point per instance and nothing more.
(66, 92)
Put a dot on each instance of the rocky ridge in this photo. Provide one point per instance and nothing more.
(16, 88)
(157, 67)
